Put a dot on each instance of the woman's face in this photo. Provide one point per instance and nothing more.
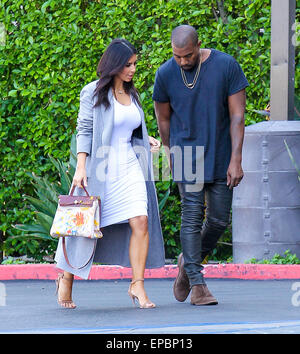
(129, 69)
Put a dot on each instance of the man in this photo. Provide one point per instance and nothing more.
(199, 100)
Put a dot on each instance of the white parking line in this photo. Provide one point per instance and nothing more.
(2, 294)
(245, 327)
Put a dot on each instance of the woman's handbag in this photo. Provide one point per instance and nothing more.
(77, 216)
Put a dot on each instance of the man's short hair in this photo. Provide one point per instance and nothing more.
(183, 35)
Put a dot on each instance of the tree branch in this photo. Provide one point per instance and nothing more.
(214, 12)
(221, 8)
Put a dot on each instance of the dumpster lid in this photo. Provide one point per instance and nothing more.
(274, 127)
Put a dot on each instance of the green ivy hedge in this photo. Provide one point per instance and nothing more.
(51, 51)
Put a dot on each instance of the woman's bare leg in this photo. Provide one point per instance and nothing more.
(138, 252)
(65, 290)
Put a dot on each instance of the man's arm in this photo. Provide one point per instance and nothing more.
(163, 114)
(236, 105)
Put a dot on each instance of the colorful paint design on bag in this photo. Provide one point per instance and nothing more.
(76, 221)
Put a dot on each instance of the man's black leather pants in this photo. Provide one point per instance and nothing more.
(204, 217)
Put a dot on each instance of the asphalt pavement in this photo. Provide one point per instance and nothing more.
(104, 307)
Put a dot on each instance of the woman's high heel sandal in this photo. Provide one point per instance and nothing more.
(146, 305)
(68, 304)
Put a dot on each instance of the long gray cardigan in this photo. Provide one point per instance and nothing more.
(94, 131)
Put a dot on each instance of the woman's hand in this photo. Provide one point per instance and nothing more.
(79, 177)
(154, 144)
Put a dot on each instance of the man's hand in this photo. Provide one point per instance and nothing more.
(234, 174)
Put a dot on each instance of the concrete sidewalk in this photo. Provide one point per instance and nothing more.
(103, 307)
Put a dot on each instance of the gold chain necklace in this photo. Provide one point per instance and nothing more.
(192, 85)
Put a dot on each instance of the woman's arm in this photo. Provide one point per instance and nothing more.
(80, 173)
(84, 136)
(154, 144)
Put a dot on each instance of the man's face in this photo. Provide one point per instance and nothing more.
(187, 57)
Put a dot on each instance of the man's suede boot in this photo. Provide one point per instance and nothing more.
(202, 296)
(181, 287)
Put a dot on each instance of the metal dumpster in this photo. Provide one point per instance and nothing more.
(266, 204)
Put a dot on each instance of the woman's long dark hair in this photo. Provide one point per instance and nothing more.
(114, 59)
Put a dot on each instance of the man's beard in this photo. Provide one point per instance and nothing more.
(191, 67)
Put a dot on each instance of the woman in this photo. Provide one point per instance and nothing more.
(114, 162)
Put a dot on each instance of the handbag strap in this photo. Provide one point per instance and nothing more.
(73, 188)
(66, 255)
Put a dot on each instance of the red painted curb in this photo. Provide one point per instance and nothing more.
(104, 272)
(253, 271)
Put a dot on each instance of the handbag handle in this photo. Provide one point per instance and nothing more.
(73, 188)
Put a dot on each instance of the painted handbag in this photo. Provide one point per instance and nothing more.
(77, 216)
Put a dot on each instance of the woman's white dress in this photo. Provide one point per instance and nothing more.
(125, 188)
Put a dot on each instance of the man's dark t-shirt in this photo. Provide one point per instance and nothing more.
(200, 116)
